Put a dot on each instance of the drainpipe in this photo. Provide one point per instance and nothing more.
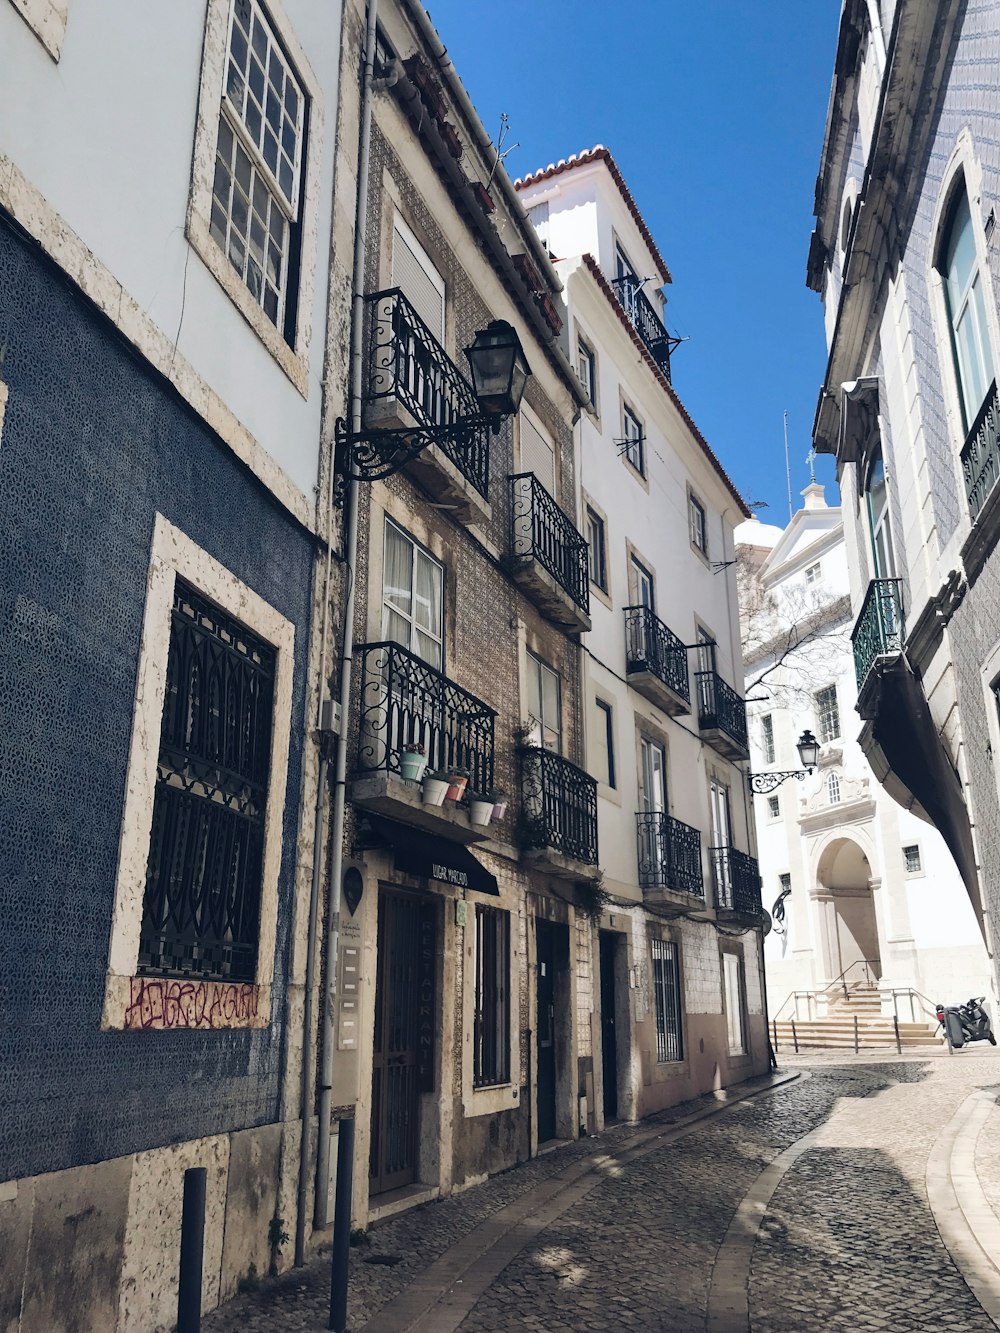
(320, 1209)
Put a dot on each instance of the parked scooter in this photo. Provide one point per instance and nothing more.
(966, 1022)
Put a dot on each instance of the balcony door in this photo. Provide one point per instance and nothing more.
(720, 815)
(879, 521)
(537, 454)
(652, 806)
(544, 704)
(419, 280)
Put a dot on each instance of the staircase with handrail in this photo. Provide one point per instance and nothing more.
(849, 1015)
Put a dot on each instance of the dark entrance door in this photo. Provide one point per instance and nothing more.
(404, 1024)
(545, 952)
(609, 1035)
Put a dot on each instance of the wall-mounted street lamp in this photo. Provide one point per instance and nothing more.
(499, 371)
(808, 748)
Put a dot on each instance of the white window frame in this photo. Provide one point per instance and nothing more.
(586, 368)
(767, 749)
(697, 524)
(822, 712)
(534, 669)
(47, 20)
(814, 573)
(417, 553)
(919, 869)
(734, 991)
(966, 306)
(641, 576)
(293, 357)
(833, 790)
(597, 549)
(774, 807)
(667, 953)
(133, 1002)
(634, 435)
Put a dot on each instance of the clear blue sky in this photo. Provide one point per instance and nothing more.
(715, 113)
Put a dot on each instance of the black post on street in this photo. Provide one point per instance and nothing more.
(895, 1026)
(855, 1034)
(192, 1250)
(340, 1260)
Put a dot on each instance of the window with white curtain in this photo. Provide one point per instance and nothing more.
(544, 704)
(412, 597)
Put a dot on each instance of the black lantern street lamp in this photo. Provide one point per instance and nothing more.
(808, 748)
(499, 372)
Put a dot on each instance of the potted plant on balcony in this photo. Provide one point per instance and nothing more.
(413, 761)
(499, 804)
(458, 779)
(480, 807)
(434, 787)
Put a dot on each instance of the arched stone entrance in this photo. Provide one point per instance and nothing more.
(849, 927)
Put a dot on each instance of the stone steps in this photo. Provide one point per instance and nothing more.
(837, 1033)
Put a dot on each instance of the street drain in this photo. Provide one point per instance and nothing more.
(388, 1260)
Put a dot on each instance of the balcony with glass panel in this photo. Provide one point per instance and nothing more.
(558, 814)
(643, 317)
(877, 640)
(669, 858)
(735, 885)
(410, 381)
(656, 662)
(549, 556)
(404, 702)
(722, 716)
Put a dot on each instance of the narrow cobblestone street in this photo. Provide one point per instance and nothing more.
(837, 1200)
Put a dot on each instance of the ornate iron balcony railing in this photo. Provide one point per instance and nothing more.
(403, 701)
(981, 453)
(647, 323)
(736, 880)
(650, 646)
(541, 530)
(406, 362)
(878, 629)
(669, 854)
(719, 706)
(560, 805)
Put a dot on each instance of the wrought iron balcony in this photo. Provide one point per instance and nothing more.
(736, 881)
(722, 715)
(550, 555)
(656, 662)
(410, 375)
(647, 323)
(403, 701)
(878, 630)
(981, 454)
(669, 854)
(559, 808)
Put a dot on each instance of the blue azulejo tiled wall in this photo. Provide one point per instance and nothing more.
(93, 446)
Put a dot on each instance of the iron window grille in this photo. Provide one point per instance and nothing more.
(491, 1036)
(201, 909)
(981, 453)
(720, 706)
(736, 878)
(773, 807)
(257, 193)
(911, 858)
(767, 738)
(542, 531)
(651, 646)
(878, 630)
(667, 998)
(827, 713)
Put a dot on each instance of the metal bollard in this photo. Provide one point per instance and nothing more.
(340, 1259)
(795, 1039)
(192, 1250)
(855, 1034)
(895, 1024)
(774, 1031)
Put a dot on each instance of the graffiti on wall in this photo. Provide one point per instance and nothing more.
(164, 1004)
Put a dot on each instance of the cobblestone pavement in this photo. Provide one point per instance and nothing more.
(630, 1243)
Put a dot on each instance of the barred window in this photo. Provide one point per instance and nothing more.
(256, 198)
(767, 738)
(491, 1038)
(827, 713)
(667, 997)
(911, 858)
(201, 909)
(773, 807)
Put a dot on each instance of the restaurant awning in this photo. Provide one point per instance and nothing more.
(418, 853)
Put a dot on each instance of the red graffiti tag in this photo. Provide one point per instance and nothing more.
(201, 1005)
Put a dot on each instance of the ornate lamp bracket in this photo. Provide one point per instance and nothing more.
(372, 455)
(762, 783)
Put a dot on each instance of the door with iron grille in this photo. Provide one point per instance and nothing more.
(403, 1064)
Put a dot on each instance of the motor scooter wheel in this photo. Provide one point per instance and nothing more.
(991, 1039)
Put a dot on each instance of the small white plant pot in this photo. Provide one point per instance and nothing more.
(433, 791)
(499, 810)
(411, 766)
(480, 812)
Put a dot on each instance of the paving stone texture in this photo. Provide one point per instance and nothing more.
(847, 1241)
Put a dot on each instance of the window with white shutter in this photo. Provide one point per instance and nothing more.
(537, 454)
(421, 283)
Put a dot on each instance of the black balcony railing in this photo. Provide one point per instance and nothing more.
(981, 453)
(406, 362)
(403, 701)
(560, 805)
(720, 707)
(669, 854)
(878, 629)
(736, 880)
(541, 530)
(645, 320)
(650, 646)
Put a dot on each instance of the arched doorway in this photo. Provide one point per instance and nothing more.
(850, 928)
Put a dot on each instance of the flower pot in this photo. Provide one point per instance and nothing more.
(456, 785)
(499, 810)
(411, 766)
(480, 812)
(434, 790)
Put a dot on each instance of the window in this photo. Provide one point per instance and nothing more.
(732, 975)
(696, 523)
(415, 274)
(257, 193)
(652, 776)
(813, 574)
(773, 807)
(538, 216)
(767, 738)
(412, 597)
(785, 883)
(827, 713)
(633, 441)
(537, 453)
(642, 586)
(880, 526)
(667, 998)
(911, 859)
(833, 789)
(623, 265)
(491, 1032)
(597, 556)
(544, 704)
(586, 367)
(958, 265)
(604, 743)
(201, 907)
